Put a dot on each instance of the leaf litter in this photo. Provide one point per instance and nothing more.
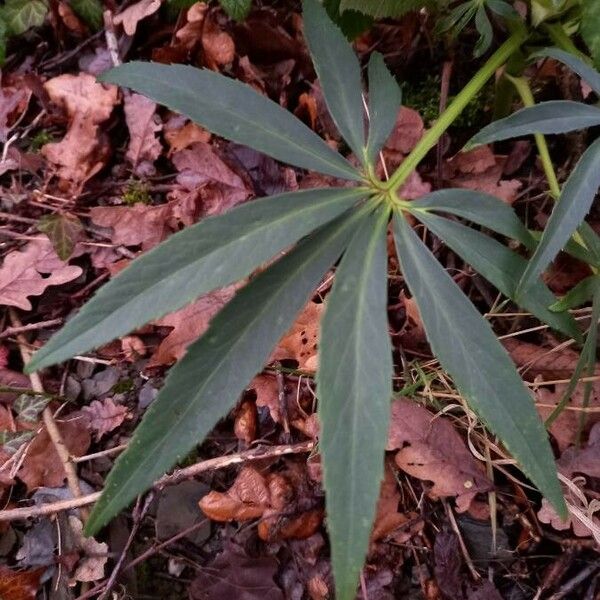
(114, 175)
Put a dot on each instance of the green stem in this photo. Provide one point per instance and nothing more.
(432, 136)
(524, 89)
(559, 36)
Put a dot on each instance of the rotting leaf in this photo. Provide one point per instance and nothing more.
(234, 574)
(64, 230)
(19, 585)
(105, 416)
(432, 450)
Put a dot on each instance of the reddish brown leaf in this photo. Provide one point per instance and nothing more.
(83, 151)
(300, 342)
(143, 124)
(432, 450)
(21, 273)
(42, 466)
(104, 416)
(188, 324)
(19, 585)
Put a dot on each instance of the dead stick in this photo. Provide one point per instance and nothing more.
(211, 464)
(9, 331)
(47, 416)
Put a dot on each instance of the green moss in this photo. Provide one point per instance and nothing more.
(41, 138)
(123, 386)
(136, 193)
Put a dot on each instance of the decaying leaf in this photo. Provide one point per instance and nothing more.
(94, 554)
(42, 466)
(143, 124)
(188, 324)
(138, 225)
(64, 231)
(19, 585)
(105, 416)
(82, 152)
(234, 574)
(135, 13)
(432, 450)
(281, 500)
(300, 342)
(21, 273)
(481, 170)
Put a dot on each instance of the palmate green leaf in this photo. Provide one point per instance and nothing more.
(21, 15)
(236, 9)
(481, 368)
(339, 74)
(380, 9)
(385, 98)
(590, 28)
(90, 11)
(576, 198)
(556, 116)
(235, 111)
(585, 71)
(355, 389)
(207, 382)
(201, 258)
(483, 209)
(500, 266)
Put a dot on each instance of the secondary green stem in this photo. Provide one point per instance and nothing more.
(432, 136)
(524, 90)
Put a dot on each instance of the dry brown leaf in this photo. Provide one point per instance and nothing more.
(135, 13)
(246, 422)
(137, 225)
(409, 129)
(300, 342)
(481, 170)
(95, 554)
(104, 416)
(143, 124)
(267, 392)
(180, 133)
(188, 324)
(83, 151)
(432, 450)
(246, 499)
(21, 273)
(70, 20)
(19, 585)
(388, 521)
(13, 102)
(42, 466)
(190, 35)
(218, 45)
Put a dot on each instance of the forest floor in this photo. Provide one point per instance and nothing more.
(91, 176)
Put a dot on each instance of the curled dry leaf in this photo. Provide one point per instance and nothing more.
(300, 342)
(21, 273)
(135, 13)
(143, 124)
(281, 500)
(246, 422)
(188, 324)
(218, 45)
(481, 170)
(180, 133)
(104, 416)
(432, 450)
(42, 466)
(94, 554)
(83, 151)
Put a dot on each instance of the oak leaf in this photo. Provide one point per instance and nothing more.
(21, 273)
(135, 13)
(104, 416)
(432, 450)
